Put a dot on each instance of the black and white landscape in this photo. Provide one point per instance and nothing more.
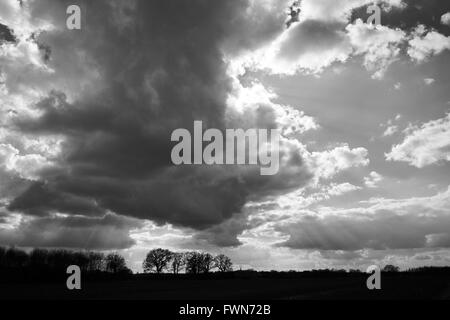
(91, 92)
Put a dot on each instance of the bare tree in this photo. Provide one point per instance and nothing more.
(207, 262)
(199, 262)
(2, 256)
(193, 262)
(16, 258)
(81, 259)
(223, 263)
(178, 261)
(59, 259)
(38, 258)
(96, 261)
(157, 260)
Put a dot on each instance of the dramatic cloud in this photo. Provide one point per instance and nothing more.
(424, 145)
(87, 115)
(340, 10)
(324, 34)
(6, 34)
(26, 166)
(385, 224)
(105, 233)
(311, 46)
(112, 114)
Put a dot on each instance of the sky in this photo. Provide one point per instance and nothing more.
(86, 118)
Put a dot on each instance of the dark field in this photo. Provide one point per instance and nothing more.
(283, 286)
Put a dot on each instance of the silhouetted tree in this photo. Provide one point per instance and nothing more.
(390, 268)
(60, 259)
(354, 271)
(199, 262)
(16, 258)
(115, 263)
(178, 261)
(80, 259)
(223, 263)
(193, 262)
(39, 258)
(157, 260)
(207, 262)
(2, 257)
(96, 261)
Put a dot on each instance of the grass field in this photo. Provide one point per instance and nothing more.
(286, 287)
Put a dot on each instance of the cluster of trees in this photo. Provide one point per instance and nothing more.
(160, 260)
(390, 268)
(157, 261)
(59, 260)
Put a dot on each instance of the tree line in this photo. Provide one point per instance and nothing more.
(156, 261)
(161, 260)
(57, 260)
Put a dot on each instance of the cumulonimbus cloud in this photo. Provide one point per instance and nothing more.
(111, 97)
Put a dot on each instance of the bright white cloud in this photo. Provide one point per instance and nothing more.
(18, 17)
(379, 45)
(254, 105)
(424, 145)
(390, 131)
(445, 19)
(306, 197)
(339, 10)
(342, 188)
(373, 179)
(308, 46)
(391, 126)
(26, 166)
(429, 81)
(425, 44)
(321, 38)
(329, 163)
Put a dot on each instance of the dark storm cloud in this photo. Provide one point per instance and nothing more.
(225, 234)
(11, 185)
(104, 233)
(261, 26)
(158, 66)
(164, 72)
(6, 34)
(40, 199)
